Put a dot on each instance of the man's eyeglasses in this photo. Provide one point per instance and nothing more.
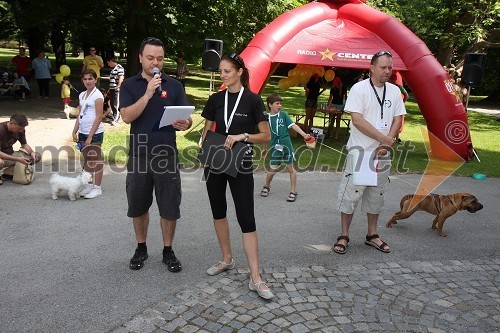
(238, 59)
(381, 53)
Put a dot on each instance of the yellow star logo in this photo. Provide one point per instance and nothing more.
(327, 54)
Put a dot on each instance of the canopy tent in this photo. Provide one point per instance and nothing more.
(346, 33)
(353, 45)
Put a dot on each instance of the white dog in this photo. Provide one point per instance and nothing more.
(72, 185)
(71, 112)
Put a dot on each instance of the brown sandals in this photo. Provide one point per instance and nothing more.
(380, 247)
(292, 196)
(343, 250)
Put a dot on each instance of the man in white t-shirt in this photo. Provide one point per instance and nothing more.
(376, 110)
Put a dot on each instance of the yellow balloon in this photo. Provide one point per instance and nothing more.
(283, 84)
(292, 72)
(320, 70)
(59, 77)
(65, 70)
(329, 75)
(293, 81)
(303, 80)
(305, 74)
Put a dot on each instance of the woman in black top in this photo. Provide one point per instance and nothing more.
(236, 112)
(312, 88)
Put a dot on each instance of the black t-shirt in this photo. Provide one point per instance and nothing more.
(249, 113)
(336, 96)
(146, 138)
(314, 88)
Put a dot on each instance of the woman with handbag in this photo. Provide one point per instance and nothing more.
(236, 112)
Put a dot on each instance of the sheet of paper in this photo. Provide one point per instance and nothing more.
(365, 172)
(173, 113)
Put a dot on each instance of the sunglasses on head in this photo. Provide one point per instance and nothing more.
(381, 53)
(150, 39)
(238, 59)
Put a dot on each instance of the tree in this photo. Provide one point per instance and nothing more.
(184, 24)
(451, 28)
(8, 26)
(137, 27)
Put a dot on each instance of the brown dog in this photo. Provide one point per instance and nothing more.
(443, 206)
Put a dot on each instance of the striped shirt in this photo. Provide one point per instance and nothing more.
(114, 76)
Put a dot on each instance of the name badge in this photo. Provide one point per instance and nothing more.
(382, 125)
(278, 147)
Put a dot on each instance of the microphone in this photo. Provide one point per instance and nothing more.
(156, 73)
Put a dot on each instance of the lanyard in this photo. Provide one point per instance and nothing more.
(381, 102)
(230, 120)
(86, 98)
(277, 122)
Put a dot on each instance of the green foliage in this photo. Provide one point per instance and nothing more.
(452, 28)
(8, 26)
(181, 24)
(446, 23)
(491, 73)
(233, 22)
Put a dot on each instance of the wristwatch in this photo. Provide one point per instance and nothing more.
(246, 136)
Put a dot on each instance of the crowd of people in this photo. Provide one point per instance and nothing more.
(235, 113)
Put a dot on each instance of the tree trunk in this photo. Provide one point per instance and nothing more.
(445, 55)
(136, 32)
(35, 39)
(57, 40)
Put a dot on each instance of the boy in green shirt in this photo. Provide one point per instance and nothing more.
(281, 148)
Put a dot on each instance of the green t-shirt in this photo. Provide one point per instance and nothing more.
(279, 125)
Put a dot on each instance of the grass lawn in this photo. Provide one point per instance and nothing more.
(483, 128)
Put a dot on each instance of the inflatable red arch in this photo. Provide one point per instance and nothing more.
(346, 33)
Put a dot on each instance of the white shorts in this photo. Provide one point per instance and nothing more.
(371, 197)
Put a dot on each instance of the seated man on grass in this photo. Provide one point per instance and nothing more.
(10, 132)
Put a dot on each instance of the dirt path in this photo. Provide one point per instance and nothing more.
(47, 122)
(48, 128)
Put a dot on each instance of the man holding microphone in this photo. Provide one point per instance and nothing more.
(152, 163)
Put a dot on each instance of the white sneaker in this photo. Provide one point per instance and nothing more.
(86, 190)
(94, 193)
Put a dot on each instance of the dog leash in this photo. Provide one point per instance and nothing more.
(327, 146)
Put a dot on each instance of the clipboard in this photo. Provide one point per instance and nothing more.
(364, 172)
(173, 113)
(214, 154)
